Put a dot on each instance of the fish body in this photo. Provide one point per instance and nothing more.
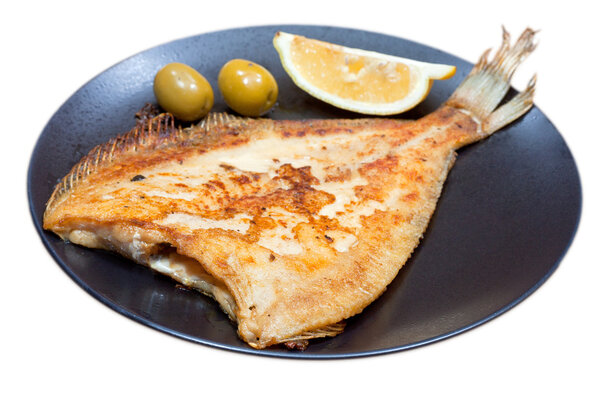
(292, 226)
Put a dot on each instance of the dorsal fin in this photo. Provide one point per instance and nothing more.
(221, 119)
(216, 125)
(147, 134)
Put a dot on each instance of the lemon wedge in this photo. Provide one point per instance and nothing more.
(354, 79)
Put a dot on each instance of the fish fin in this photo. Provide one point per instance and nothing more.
(489, 80)
(147, 134)
(221, 119)
(216, 126)
(512, 110)
(326, 331)
(300, 341)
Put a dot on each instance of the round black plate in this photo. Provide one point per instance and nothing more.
(508, 212)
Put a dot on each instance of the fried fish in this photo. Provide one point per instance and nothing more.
(291, 226)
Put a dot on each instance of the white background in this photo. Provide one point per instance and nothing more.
(56, 336)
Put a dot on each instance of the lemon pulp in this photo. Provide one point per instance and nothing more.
(356, 78)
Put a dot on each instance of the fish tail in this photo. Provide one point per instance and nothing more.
(489, 80)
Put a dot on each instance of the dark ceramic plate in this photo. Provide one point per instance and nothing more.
(508, 212)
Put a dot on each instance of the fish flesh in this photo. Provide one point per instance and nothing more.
(292, 226)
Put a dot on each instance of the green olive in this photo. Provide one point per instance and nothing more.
(248, 88)
(183, 91)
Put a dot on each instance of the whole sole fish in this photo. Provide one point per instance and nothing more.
(292, 226)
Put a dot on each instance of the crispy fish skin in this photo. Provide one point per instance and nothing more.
(292, 226)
